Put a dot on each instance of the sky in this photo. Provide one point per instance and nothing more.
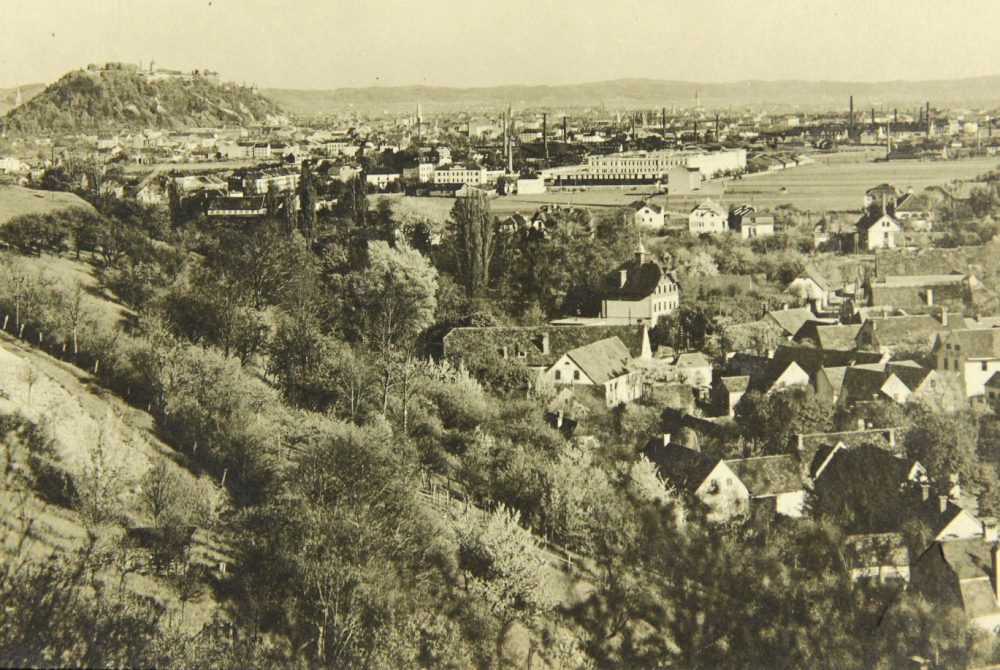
(322, 44)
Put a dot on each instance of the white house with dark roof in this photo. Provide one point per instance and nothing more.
(603, 365)
(963, 573)
(813, 287)
(775, 481)
(639, 291)
(647, 215)
(700, 477)
(708, 217)
(972, 355)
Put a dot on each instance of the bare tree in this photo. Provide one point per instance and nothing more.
(160, 490)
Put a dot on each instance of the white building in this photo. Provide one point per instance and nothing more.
(639, 291)
(473, 176)
(708, 217)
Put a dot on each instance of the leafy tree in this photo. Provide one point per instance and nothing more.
(771, 420)
(944, 443)
(471, 238)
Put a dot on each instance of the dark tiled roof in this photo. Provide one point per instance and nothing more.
(528, 340)
(791, 320)
(863, 383)
(837, 337)
(812, 273)
(979, 342)
(640, 280)
(684, 468)
(735, 384)
(811, 359)
(891, 330)
(246, 204)
(768, 475)
(603, 360)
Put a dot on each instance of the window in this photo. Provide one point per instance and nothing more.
(576, 374)
(985, 366)
(558, 375)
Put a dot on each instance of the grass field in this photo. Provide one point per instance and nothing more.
(834, 183)
(17, 200)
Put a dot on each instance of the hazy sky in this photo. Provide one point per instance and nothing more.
(332, 43)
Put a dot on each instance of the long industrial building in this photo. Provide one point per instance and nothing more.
(642, 167)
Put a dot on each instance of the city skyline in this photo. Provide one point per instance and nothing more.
(331, 45)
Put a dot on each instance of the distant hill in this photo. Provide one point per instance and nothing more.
(653, 93)
(8, 95)
(113, 99)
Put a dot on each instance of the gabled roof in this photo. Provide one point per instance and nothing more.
(736, 384)
(641, 204)
(978, 342)
(811, 359)
(812, 273)
(709, 205)
(765, 381)
(994, 381)
(641, 280)
(695, 359)
(864, 383)
(768, 475)
(684, 468)
(894, 329)
(790, 320)
(910, 373)
(869, 220)
(529, 341)
(603, 360)
(971, 562)
(837, 337)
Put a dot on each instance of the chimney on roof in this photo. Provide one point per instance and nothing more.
(622, 278)
(989, 529)
(995, 554)
(559, 419)
(930, 299)
(942, 503)
(665, 440)
(925, 492)
(944, 315)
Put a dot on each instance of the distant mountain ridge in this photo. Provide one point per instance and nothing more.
(112, 99)
(979, 92)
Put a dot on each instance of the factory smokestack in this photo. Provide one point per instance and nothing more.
(927, 119)
(663, 122)
(850, 119)
(545, 135)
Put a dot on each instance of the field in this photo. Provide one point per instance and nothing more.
(17, 200)
(834, 183)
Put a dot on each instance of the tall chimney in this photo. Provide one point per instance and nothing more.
(930, 300)
(873, 117)
(503, 120)
(565, 130)
(663, 122)
(927, 119)
(545, 136)
(925, 492)
(850, 120)
(942, 503)
(716, 127)
(995, 553)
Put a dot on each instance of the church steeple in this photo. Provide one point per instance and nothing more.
(17, 97)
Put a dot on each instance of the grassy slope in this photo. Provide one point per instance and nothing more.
(17, 200)
(80, 414)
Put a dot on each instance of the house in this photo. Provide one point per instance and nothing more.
(871, 382)
(791, 319)
(729, 391)
(879, 231)
(530, 185)
(963, 573)
(812, 360)
(708, 217)
(772, 480)
(539, 347)
(701, 478)
(778, 375)
(830, 337)
(565, 412)
(879, 557)
(972, 355)
(992, 390)
(923, 292)
(639, 291)
(883, 193)
(914, 212)
(381, 178)
(692, 369)
(647, 215)
(605, 365)
(241, 207)
(894, 332)
(748, 224)
(813, 288)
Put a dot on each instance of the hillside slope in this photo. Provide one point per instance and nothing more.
(651, 93)
(9, 95)
(114, 99)
(17, 200)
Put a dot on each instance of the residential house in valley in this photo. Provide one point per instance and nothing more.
(701, 478)
(772, 481)
(709, 217)
(604, 366)
(639, 291)
(971, 355)
(647, 215)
